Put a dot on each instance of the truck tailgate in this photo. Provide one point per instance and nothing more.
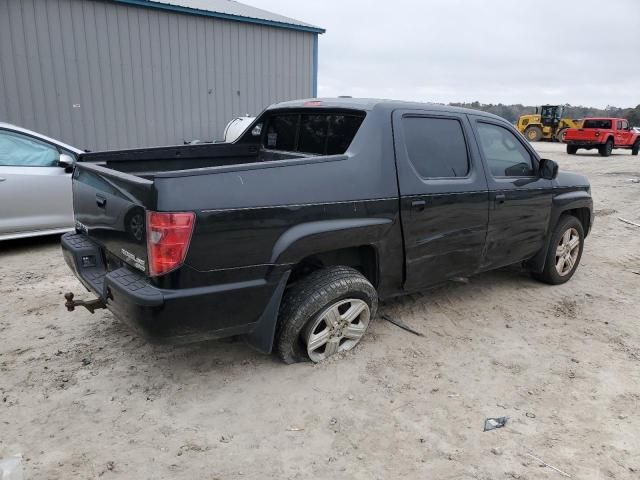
(110, 208)
(588, 134)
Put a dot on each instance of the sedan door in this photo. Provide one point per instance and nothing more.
(35, 192)
(519, 200)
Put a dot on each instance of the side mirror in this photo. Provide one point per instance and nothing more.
(66, 161)
(548, 169)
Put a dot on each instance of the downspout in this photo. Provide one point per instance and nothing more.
(315, 66)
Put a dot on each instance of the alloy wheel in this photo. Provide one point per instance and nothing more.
(338, 328)
(567, 252)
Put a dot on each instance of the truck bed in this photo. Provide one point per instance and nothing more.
(151, 162)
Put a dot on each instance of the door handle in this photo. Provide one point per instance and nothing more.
(500, 199)
(418, 205)
(2, 179)
(101, 201)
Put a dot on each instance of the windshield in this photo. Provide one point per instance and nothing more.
(550, 111)
(596, 123)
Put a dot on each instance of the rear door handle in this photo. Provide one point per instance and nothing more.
(101, 201)
(2, 179)
(500, 199)
(418, 205)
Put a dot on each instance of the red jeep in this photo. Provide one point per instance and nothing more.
(605, 134)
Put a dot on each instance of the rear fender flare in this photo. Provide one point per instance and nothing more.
(299, 242)
(305, 239)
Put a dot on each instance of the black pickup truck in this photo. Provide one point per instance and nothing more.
(290, 235)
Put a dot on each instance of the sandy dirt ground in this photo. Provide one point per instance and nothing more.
(82, 397)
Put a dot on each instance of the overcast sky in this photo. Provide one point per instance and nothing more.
(581, 52)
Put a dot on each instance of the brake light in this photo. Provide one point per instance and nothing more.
(168, 238)
(597, 134)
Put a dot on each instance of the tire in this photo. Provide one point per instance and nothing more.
(319, 301)
(560, 135)
(572, 149)
(533, 134)
(606, 149)
(551, 274)
(636, 148)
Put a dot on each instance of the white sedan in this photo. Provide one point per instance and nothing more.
(35, 183)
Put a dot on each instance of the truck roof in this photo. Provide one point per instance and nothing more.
(369, 104)
(604, 118)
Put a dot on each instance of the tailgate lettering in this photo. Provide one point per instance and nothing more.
(139, 263)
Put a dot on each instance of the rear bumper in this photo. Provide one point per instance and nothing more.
(583, 143)
(175, 316)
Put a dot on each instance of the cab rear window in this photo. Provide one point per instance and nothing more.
(321, 133)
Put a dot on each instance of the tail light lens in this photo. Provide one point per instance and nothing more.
(168, 238)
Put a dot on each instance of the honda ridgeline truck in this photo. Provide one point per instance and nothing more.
(289, 236)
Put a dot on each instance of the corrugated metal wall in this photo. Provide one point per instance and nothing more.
(99, 75)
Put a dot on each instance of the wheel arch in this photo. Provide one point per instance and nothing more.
(363, 258)
(329, 242)
(578, 204)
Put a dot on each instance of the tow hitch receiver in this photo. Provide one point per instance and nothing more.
(91, 305)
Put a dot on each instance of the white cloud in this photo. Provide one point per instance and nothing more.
(499, 51)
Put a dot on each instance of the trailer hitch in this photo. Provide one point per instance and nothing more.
(91, 305)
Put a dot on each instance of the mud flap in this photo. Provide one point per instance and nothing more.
(261, 337)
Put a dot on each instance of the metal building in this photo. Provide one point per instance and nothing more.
(103, 74)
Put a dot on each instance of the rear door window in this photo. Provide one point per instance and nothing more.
(436, 146)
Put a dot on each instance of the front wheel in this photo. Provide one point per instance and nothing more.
(564, 252)
(533, 134)
(326, 312)
(606, 149)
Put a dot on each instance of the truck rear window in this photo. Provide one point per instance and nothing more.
(315, 133)
(594, 123)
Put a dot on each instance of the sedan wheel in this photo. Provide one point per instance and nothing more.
(337, 329)
(567, 252)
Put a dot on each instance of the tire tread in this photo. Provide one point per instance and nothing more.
(308, 297)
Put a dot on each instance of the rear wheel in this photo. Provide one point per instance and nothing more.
(325, 313)
(636, 147)
(564, 253)
(606, 149)
(572, 149)
(533, 134)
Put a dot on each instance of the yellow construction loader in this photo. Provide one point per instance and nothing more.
(546, 124)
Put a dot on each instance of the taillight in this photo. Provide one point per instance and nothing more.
(168, 237)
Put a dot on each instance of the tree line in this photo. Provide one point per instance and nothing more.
(513, 112)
